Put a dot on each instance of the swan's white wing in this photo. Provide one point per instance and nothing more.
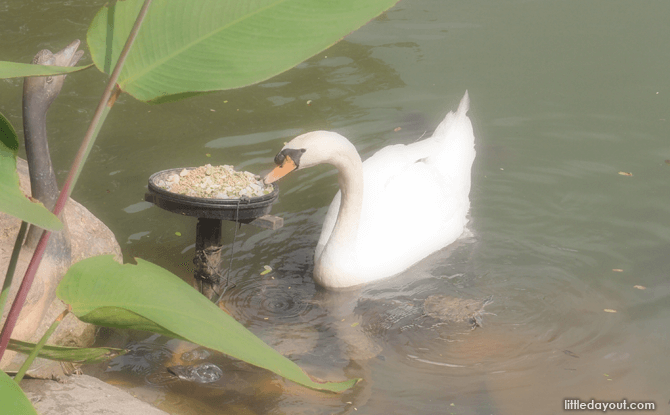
(413, 215)
(416, 196)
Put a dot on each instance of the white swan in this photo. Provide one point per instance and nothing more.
(404, 203)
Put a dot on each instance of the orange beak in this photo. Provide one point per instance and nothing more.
(280, 171)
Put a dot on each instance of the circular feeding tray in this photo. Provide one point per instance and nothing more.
(242, 208)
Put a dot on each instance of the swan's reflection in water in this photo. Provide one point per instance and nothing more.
(404, 337)
(331, 334)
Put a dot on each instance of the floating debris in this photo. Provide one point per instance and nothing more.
(609, 310)
(617, 270)
(625, 173)
(216, 182)
(640, 287)
(267, 270)
(571, 354)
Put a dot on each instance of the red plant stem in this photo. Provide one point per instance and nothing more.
(108, 97)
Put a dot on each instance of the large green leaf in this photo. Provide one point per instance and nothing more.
(68, 354)
(147, 297)
(12, 199)
(12, 399)
(20, 70)
(204, 45)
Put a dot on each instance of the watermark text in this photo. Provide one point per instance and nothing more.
(571, 404)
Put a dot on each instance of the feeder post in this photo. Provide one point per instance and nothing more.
(207, 252)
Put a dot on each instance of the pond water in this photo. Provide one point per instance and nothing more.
(565, 96)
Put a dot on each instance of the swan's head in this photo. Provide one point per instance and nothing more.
(308, 150)
(41, 91)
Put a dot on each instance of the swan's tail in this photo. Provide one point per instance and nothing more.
(457, 146)
(450, 150)
(464, 106)
(451, 118)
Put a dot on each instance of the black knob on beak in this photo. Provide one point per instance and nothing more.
(279, 158)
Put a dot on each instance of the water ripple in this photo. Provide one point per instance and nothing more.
(261, 299)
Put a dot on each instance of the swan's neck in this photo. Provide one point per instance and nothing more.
(341, 246)
(350, 179)
(43, 185)
(42, 177)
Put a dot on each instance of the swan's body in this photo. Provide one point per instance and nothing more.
(402, 204)
(84, 235)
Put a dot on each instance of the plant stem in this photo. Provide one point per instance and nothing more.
(33, 354)
(112, 91)
(12, 266)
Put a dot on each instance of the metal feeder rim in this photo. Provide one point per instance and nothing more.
(208, 201)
